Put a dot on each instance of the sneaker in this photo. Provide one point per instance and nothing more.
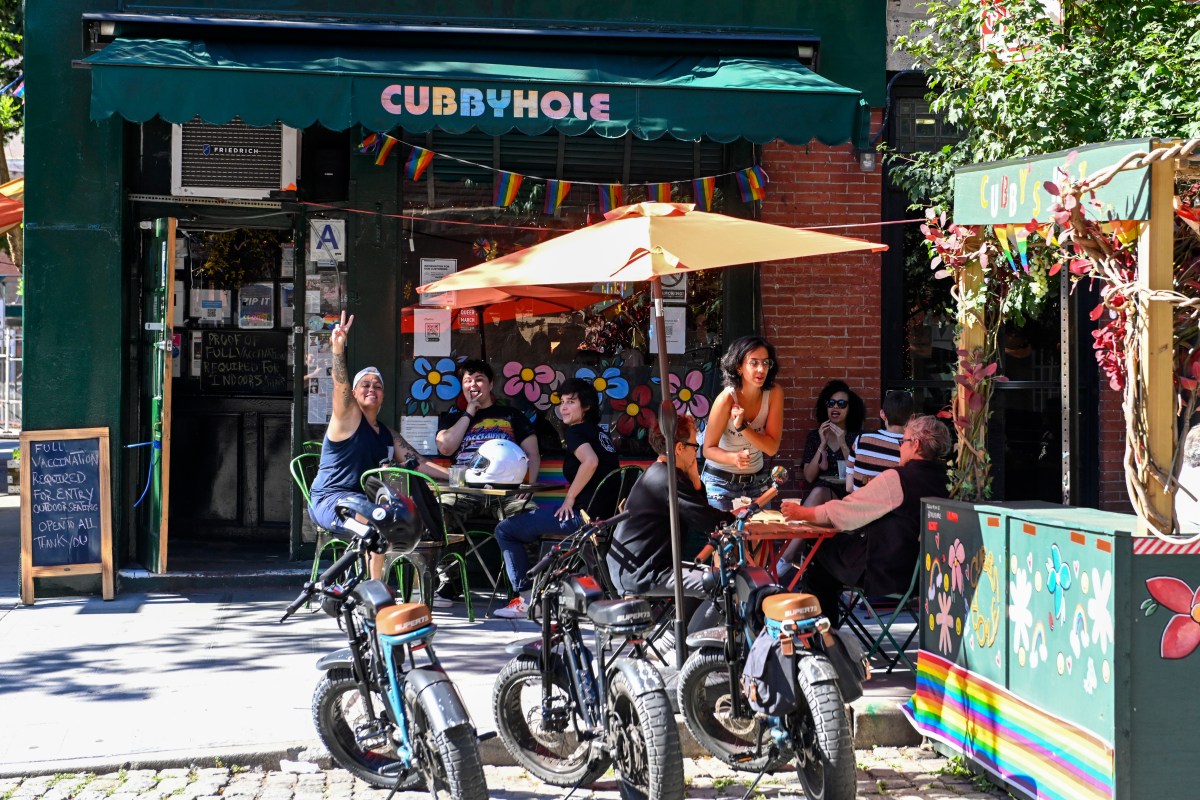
(517, 608)
(441, 602)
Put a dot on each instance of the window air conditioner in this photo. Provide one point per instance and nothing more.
(233, 160)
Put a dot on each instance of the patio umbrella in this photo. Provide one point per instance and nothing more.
(510, 302)
(12, 204)
(645, 242)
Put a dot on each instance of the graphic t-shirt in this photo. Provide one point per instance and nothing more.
(589, 433)
(494, 422)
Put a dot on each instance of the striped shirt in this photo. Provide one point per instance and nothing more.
(873, 453)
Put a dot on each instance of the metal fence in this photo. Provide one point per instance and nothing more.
(11, 350)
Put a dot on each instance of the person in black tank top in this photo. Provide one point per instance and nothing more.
(880, 540)
(355, 440)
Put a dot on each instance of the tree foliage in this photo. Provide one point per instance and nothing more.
(1113, 69)
(12, 63)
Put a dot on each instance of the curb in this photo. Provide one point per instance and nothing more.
(875, 723)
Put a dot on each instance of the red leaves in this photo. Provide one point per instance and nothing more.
(1051, 188)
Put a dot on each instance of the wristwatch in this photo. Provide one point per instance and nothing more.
(742, 427)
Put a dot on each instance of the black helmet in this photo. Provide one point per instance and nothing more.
(395, 518)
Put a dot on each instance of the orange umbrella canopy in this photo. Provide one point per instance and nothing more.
(646, 241)
(500, 304)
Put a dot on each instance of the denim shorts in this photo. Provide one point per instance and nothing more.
(722, 488)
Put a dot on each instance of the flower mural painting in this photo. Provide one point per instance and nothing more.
(1058, 581)
(1181, 637)
(685, 393)
(436, 379)
(607, 382)
(956, 558)
(533, 382)
(636, 413)
(1021, 592)
(945, 622)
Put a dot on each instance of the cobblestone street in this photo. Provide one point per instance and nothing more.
(906, 773)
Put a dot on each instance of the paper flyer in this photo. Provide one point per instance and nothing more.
(256, 306)
(318, 375)
(211, 306)
(433, 269)
(421, 433)
(431, 332)
(675, 318)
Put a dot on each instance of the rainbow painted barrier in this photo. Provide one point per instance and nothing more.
(1059, 650)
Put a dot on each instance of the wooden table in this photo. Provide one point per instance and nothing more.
(772, 534)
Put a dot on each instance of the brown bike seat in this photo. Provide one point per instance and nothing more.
(403, 618)
(791, 606)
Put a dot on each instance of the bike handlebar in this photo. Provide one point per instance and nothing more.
(587, 529)
(336, 570)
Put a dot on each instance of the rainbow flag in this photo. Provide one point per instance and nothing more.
(20, 90)
(507, 184)
(658, 192)
(752, 183)
(370, 144)
(704, 187)
(610, 196)
(556, 192)
(385, 149)
(418, 161)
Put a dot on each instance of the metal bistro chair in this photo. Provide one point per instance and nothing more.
(876, 608)
(623, 478)
(432, 551)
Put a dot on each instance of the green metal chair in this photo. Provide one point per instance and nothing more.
(429, 554)
(304, 470)
(876, 608)
(623, 478)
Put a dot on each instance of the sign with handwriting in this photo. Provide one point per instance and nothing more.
(245, 362)
(66, 519)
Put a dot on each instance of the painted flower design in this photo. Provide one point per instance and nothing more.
(945, 622)
(1058, 581)
(436, 379)
(958, 555)
(637, 410)
(1182, 635)
(1021, 592)
(685, 393)
(607, 382)
(1097, 609)
(1090, 681)
(552, 398)
(527, 380)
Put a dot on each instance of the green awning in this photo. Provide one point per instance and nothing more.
(687, 97)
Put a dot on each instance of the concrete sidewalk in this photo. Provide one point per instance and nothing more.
(153, 680)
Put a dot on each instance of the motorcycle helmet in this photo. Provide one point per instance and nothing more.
(394, 517)
(498, 462)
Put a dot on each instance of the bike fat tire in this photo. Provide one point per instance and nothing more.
(448, 759)
(704, 702)
(516, 705)
(825, 728)
(646, 723)
(336, 696)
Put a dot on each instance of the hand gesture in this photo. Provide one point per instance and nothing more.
(736, 415)
(472, 401)
(566, 511)
(337, 339)
(742, 459)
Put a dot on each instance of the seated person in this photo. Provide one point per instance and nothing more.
(839, 414)
(355, 441)
(1187, 498)
(880, 523)
(639, 558)
(589, 458)
(875, 452)
(461, 432)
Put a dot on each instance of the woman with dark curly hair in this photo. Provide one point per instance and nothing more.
(839, 414)
(745, 424)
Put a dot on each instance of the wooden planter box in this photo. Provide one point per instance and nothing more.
(1044, 651)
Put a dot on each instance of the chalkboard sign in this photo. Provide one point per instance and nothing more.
(65, 511)
(244, 362)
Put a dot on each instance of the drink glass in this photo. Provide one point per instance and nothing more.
(458, 476)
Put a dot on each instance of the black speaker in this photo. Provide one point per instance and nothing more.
(325, 165)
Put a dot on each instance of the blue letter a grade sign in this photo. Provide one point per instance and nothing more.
(327, 240)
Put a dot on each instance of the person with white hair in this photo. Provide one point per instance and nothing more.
(355, 440)
(880, 524)
(1187, 497)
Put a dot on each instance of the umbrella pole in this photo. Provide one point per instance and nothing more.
(667, 422)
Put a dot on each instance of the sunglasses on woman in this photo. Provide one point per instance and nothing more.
(831, 403)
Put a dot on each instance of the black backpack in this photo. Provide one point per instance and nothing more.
(769, 677)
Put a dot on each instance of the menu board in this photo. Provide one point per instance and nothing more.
(245, 362)
(65, 513)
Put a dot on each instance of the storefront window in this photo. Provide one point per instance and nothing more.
(607, 343)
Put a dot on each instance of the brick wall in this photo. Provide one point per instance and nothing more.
(822, 314)
(1113, 496)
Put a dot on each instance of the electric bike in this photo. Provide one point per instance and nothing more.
(383, 718)
(811, 726)
(566, 711)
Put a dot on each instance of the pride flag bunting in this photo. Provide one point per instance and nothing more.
(507, 184)
(556, 193)
(752, 183)
(369, 144)
(385, 149)
(20, 90)
(610, 196)
(704, 187)
(658, 192)
(418, 161)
